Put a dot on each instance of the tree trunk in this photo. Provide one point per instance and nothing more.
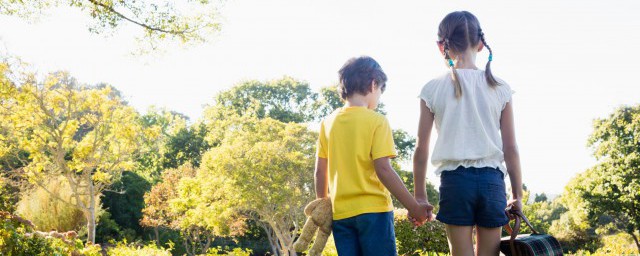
(286, 243)
(635, 238)
(91, 222)
(272, 241)
(155, 230)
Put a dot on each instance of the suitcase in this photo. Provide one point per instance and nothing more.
(528, 244)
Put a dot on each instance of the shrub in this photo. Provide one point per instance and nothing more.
(17, 237)
(424, 240)
(124, 249)
(49, 213)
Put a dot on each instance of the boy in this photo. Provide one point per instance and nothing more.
(354, 147)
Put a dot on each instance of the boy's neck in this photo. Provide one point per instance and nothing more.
(357, 100)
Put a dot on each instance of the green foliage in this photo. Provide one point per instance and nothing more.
(17, 239)
(329, 101)
(542, 214)
(125, 202)
(267, 167)
(86, 135)
(573, 229)
(617, 244)
(158, 21)
(405, 144)
(286, 100)
(429, 238)
(9, 195)
(107, 229)
(124, 249)
(407, 179)
(168, 142)
(612, 187)
(540, 198)
(49, 213)
(232, 252)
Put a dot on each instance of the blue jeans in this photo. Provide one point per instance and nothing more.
(365, 234)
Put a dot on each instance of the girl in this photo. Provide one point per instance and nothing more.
(474, 119)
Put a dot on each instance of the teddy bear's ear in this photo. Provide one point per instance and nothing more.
(312, 205)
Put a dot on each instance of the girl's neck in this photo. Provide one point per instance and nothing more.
(466, 60)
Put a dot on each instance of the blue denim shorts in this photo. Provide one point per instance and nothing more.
(365, 234)
(473, 196)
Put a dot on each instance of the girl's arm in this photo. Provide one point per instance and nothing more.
(321, 178)
(511, 155)
(421, 155)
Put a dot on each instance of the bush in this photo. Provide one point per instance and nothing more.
(618, 244)
(230, 252)
(19, 238)
(49, 213)
(124, 249)
(9, 194)
(427, 239)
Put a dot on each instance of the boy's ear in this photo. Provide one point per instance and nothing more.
(372, 88)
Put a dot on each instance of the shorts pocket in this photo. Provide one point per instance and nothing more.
(496, 192)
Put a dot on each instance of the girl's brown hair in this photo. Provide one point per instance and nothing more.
(457, 32)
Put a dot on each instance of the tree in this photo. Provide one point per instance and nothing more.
(157, 213)
(124, 202)
(83, 134)
(207, 209)
(540, 198)
(155, 154)
(188, 21)
(268, 167)
(286, 100)
(612, 187)
(573, 228)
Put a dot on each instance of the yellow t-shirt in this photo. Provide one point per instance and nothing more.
(350, 139)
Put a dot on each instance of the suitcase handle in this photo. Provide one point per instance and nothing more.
(516, 227)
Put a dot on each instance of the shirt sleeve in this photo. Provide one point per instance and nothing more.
(383, 145)
(504, 93)
(426, 94)
(321, 145)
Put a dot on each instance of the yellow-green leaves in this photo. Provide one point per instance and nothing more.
(158, 21)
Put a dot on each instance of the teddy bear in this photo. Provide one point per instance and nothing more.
(319, 217)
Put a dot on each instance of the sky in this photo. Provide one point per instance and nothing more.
(568, 61)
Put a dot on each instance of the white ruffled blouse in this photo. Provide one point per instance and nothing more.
(469, 127)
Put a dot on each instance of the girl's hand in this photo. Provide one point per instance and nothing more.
(514, 204)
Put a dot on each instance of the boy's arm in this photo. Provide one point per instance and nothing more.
(421, 155)
(511, 155)
(321, 178)
(392, 181)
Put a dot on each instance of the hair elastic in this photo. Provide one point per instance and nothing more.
(450, 62)
(490, 57)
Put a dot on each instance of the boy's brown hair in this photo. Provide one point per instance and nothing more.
(357, 74)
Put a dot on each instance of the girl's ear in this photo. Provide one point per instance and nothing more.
(480, 47)
(441, 47)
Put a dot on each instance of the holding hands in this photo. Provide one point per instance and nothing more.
(422, 213)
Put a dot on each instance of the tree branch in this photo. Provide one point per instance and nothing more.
(117, 13)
